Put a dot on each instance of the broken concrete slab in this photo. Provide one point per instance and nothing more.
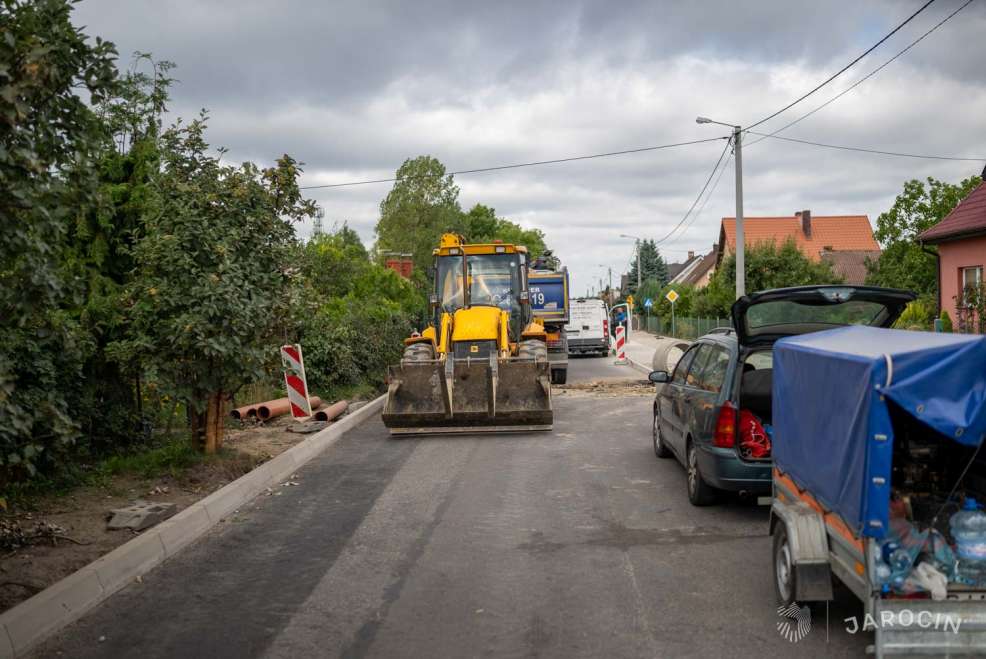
(308, 427)
(141, 515)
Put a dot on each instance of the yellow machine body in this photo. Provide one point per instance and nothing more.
(482, 362)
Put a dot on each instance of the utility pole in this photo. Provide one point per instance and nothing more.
(740, 236)
(638, 265)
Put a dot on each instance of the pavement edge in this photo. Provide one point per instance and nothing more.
(34, 620)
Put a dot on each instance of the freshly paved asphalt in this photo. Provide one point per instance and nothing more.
(573, 543)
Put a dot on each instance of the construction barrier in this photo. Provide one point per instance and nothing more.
(621, 356)
(295, 381)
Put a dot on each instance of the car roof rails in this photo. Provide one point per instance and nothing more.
(722, 330)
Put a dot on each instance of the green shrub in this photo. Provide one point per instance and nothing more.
(946, 322)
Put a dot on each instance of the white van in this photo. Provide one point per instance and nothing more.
(588, 327)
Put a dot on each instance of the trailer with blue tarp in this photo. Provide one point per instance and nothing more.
(876, 446)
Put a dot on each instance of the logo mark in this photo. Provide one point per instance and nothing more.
(795, 621)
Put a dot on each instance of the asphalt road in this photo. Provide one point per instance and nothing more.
(573, 543)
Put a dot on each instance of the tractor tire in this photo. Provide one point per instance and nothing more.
(533, 349)
(418, 352)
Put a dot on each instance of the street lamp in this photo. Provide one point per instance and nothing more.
(740, 238)
(623, 235)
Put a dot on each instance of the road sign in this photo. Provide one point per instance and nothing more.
(672, 296)
(648, 303)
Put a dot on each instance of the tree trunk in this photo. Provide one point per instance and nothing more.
(214, 423)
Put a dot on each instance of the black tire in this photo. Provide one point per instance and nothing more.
(533, 349)
(559, 375)
(660, 448)
(418, 352)
(700, 493)
(785, 578)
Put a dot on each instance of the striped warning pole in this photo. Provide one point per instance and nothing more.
(621, 355)
(295, 381)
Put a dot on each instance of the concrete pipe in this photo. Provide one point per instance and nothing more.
(245, 412)
(281, 406)
(668, 352)
(332, 411)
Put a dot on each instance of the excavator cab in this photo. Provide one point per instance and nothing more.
(482, 363)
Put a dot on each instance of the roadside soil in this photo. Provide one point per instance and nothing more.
(71, 531)
(605, 388)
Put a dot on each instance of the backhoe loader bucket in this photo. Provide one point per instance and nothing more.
(469, 395)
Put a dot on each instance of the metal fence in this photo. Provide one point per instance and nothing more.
(684, 327)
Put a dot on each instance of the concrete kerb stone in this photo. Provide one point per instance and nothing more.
(32, 621)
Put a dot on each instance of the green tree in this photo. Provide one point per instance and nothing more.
(423, 204)
(481, 224)
(767, 266)
(51, 76)
(212, 277)
(903, 263)
(652, 266)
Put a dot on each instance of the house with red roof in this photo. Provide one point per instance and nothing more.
(961, 241)
(844, 241)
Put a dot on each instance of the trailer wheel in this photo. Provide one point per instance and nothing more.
(418, 352)
(785, 579)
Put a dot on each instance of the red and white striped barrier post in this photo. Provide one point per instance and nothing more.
(621, 355)
(295, 381)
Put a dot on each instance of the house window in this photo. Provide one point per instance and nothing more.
(972, 278)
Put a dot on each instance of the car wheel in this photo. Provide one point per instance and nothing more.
(700, 493)
(660, 449)
(785, 580)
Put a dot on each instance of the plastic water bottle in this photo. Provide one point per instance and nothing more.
(969, 532)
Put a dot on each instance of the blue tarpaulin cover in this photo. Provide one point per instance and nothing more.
(832, 430)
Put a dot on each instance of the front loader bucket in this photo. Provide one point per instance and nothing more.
(468, 395)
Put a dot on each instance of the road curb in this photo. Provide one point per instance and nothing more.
(33, 620)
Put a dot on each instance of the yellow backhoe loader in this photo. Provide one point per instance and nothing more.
(482, 365)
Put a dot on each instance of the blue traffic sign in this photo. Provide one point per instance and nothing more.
(648, 303)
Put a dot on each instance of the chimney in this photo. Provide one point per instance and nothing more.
(805, 216)
(691, 255)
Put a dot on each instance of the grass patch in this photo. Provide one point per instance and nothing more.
(170, 458)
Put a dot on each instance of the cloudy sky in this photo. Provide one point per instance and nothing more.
(352, 89)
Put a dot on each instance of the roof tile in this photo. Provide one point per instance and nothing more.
(831, 232)
(968, 217)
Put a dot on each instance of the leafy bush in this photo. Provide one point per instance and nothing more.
(918, 315)
(946, 322)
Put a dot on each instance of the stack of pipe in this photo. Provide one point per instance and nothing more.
(281, 406)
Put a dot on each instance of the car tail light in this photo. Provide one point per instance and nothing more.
(725, 436)
(605, 328)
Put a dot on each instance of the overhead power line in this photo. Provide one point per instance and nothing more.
(865, 150)
(866, 77)
(700, 193)
(701, 208)
(845, 68)
(517, 165)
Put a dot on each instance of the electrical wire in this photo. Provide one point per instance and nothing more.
(701, 208)
(700, 193)
(516, 165)
(846, 67)
(866, 77)
(865, 150)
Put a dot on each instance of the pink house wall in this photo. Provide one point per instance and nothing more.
(954, 256)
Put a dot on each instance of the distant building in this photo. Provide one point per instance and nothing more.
(695, 271)
(961, 241)
(402, 264)
(850, 264)
(818, 237)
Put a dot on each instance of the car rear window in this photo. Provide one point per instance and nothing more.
(787, 312)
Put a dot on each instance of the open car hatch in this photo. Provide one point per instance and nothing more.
(764, 317)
